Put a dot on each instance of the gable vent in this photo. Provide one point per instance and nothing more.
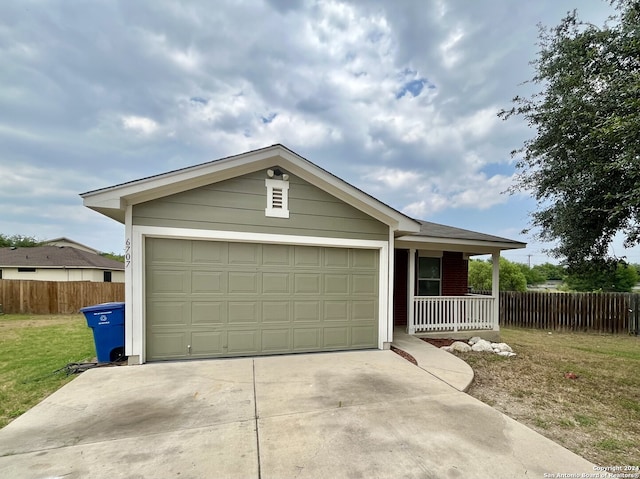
(277, 198)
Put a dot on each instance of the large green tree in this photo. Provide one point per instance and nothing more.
(511, 278)
(583, 165)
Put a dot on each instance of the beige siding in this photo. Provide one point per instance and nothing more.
(72, 274)
(239, 204)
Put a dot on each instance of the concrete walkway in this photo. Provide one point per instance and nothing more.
(443, 365)
(360, 414)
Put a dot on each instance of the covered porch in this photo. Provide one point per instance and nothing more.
(431, 294)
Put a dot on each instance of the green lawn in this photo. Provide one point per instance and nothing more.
(32, 348)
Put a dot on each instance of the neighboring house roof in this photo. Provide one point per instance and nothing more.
(69, 242)
(112, 201)
(56, 257)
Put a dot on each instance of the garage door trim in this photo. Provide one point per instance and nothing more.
(135, 266)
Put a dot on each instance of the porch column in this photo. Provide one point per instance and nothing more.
(411, 288)
(495, 288)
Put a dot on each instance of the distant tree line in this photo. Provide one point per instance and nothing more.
(21, 241)
(18, 241)
(620, 277)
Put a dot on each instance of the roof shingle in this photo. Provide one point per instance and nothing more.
(55, 257)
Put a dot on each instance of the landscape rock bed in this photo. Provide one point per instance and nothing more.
(474, 344)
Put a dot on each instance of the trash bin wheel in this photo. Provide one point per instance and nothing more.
(116, 354)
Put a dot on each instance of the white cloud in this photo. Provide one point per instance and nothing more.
(139, 124)
(394, 178)
(398, 98)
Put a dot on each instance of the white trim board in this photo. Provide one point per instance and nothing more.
(136, 320)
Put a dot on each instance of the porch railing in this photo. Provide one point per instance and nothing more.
(452, 313)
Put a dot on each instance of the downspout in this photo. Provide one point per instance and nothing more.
(390, 314)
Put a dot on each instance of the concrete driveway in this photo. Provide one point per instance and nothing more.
(354, 414)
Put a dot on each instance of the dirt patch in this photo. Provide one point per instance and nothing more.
(440, 342)
(405, 355)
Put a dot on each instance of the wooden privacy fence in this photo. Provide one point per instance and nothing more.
(55, 297)
(617, 313)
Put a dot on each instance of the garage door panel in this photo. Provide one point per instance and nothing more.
(364, 258)
(364, 336)
(165, 251)
(306, 256)
(243, 282)
(168, 345)
(209, 313)
(276, 340)
(306, 283)
(276, 283)
(364, 310)
(276, 312)
(336, 284)
(209, 252)
(307, 339)
(336, 258)
(174, 314)
(364, 284)
(243, 312)
(306, 311)
(336, 310)
(208, 282)
(207, 343)
(336, 338)
(163, 281)
(244, 253)
(243, 342)
(276, 255)
(234, 299)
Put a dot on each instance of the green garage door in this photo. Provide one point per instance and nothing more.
(212, 299)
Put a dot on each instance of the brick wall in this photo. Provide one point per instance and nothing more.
(455, 271)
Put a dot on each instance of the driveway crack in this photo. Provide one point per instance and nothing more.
(255, 414)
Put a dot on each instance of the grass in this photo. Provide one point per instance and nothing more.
(32, 348)
(596, 415)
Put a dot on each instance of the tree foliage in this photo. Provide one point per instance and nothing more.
(114, 256)
(583, 165)
(511, 278)
(533, 275)
(18, 241)
(620, 278)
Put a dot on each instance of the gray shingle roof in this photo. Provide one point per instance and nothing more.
(55, 257)
(435, 230)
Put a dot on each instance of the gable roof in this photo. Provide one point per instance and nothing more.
(112, 201)
(56, 257)
(63, 241)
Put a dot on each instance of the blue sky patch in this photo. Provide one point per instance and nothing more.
(269, 118)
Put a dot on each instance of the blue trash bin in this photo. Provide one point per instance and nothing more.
(107, 322)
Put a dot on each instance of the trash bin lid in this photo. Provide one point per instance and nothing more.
(102, 307)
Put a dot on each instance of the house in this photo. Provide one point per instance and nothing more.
(267, 253)
(68, 242)
(59, 260)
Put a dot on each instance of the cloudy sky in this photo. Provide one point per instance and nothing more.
(399, 98)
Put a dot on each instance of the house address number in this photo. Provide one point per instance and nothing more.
(127, 253)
